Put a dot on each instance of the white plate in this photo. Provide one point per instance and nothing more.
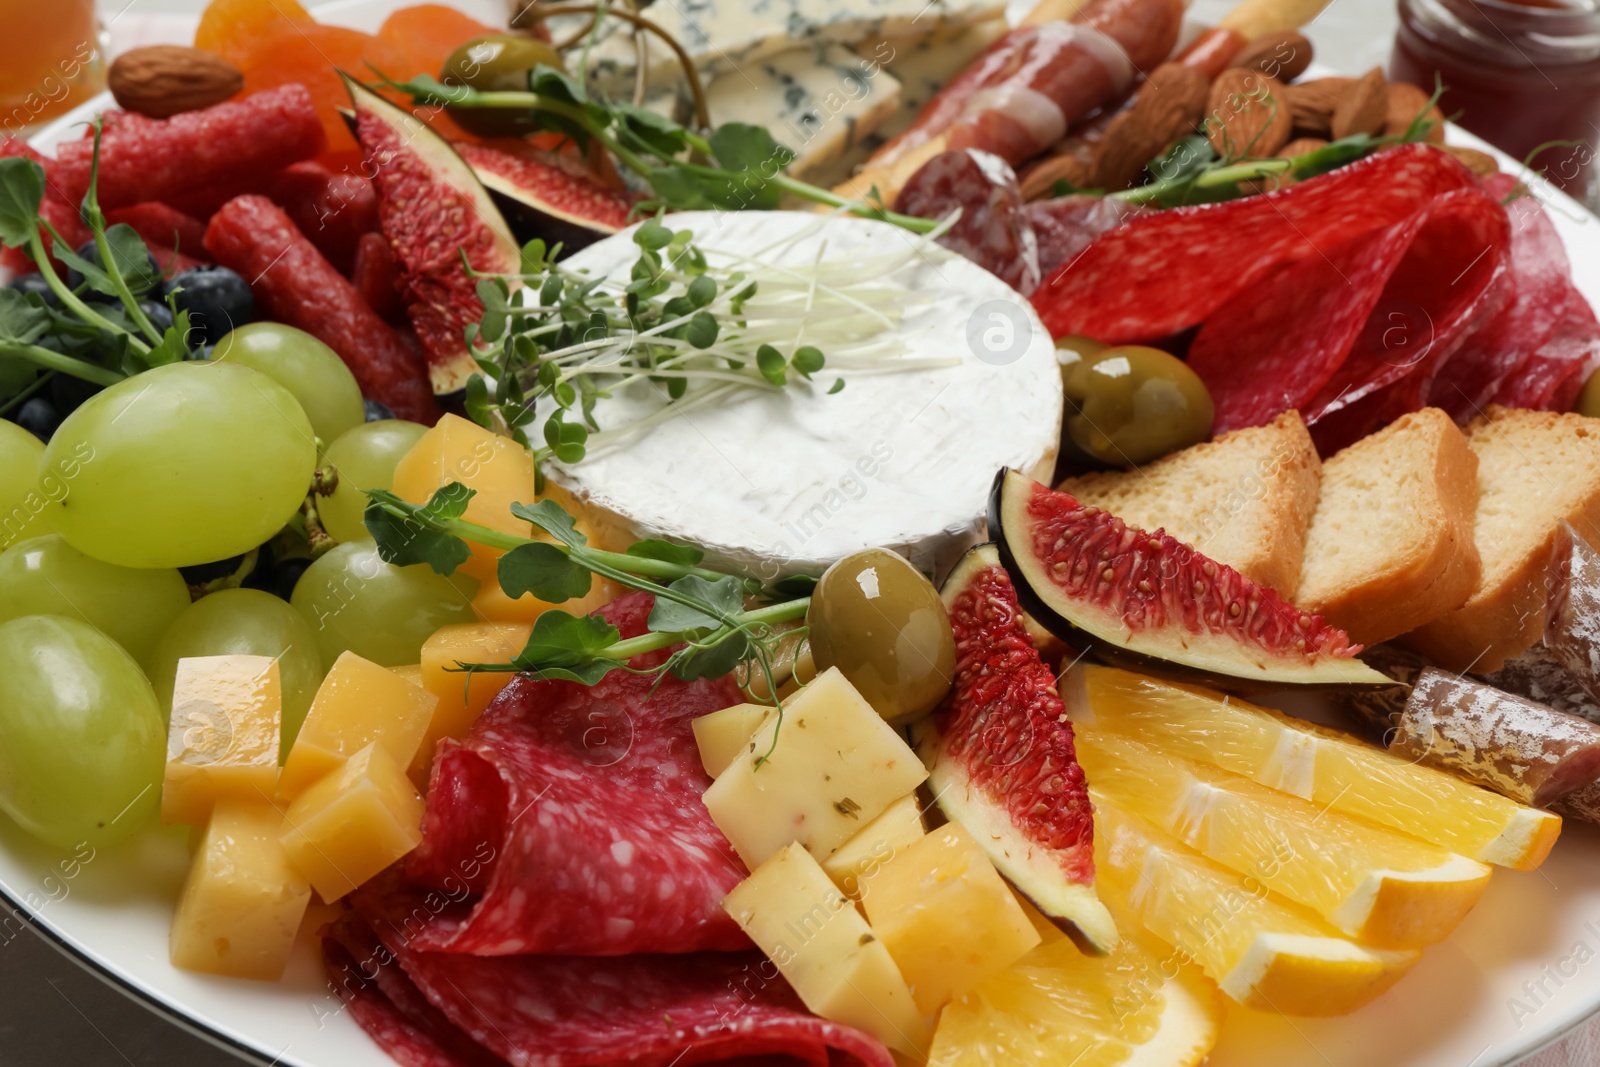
(1521, 972)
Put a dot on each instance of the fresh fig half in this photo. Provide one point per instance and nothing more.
(1149, 602)
(542, 198)
(433, 210)
(1001, 759)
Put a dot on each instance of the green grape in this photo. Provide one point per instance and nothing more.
(47, 576)
(245, 622)
(22, 503)
(365, 458)
(358, 603)
(306, 367)
(82, 741)
(187, 463)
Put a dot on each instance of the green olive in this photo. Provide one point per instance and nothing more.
(1130, 404)
(497, 62)
(1589, 398)
(881, 622)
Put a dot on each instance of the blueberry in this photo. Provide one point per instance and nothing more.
(278, 579)
(67, 393)
(202, 573)
(377, 411)
(216, 299)
(39, 417)
(130, 272)
(35, 283)
(159, 314)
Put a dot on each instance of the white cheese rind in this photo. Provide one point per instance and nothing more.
(774, 483)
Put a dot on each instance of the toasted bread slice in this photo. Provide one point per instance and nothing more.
(1536, 471)
(1243, 499)
(1390, 546)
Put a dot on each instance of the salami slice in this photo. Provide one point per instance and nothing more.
(1539, 282)
(576, 812)
(569, 1011)
(1169, 270)
(1524, 750)
(1382, 308)
(1065, 226)
(992, 230)
(1551, 378)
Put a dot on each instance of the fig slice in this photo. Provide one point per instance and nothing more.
(1000, 755)
(433, 210)
(1149, 602)
(548, 197)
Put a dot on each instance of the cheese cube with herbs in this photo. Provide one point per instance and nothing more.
(359, 703)
(825, 950)
(242, 901)
(462, 697)
(222, 738)
(818, 101)
(815, 775)
(875, 844)
(724, 734)
(353, 823)
(946, 916)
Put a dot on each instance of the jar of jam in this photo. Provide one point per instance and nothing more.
(1518, 73)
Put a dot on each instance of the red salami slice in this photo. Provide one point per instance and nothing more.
(1329, 331)
(993, 230)
(576, 811)
(569, 1011)
(1538, 278)
(1169, 270)
(1551, 377)
(1064, 226)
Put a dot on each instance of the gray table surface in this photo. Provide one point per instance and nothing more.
(54, 1013)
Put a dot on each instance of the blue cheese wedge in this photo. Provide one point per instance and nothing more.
(818, 101)
(775, 482)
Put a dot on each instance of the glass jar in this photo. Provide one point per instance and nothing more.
(50, 60)
(1517, 74)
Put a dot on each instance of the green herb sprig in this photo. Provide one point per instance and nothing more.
(724, 622)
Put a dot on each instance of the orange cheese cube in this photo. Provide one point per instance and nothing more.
(242, 900)
(223, 737)
(500, 471)
(461, 700)
(411, 672)
(358, 704)
(353, 823)
(492, 603)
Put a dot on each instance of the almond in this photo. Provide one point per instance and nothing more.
(1405, 103)
(1480, 163)
(1039, 181)
(1247, 114)
(1312, 103)
(163, 79)
(1363, 108)
(1284, 55)
(1169, 106)
(1301, 146)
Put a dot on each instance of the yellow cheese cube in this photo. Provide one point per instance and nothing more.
(946, 916)
(499, 470)
(722, 735)
(491, 601)
(222, 740)
(875, 844)
(242, 900)
(353, 823)
(461, 701)
(825, 950)
(357, 704)
(411, 672)
(835, 766)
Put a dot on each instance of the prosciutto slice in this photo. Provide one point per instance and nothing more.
(574, 813)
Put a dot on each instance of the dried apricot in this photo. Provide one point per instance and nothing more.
(426, 34)
(231, 28)
(314, 55)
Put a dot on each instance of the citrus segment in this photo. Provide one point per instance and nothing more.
(1135, 1006)
(1329, 769)
(1379, 887)
(1262, 951)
